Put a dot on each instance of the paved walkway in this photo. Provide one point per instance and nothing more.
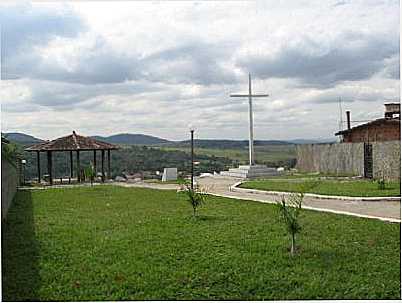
(220, 186)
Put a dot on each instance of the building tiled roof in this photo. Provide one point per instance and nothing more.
(72, 142)
(380, 121)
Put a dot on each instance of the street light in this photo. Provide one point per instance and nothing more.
(191, 127)
(23, 162)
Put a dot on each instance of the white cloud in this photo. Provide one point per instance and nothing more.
(154, 67)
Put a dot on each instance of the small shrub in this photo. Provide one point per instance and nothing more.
(89, 173)
(196, 196)
(289, 212)
(381, 184)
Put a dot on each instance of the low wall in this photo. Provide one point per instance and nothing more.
(348, 158)
(9, 183)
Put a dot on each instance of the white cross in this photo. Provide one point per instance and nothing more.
(250, 112)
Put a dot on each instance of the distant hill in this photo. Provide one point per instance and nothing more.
(131, 139)
(22, 138)
(139, 139)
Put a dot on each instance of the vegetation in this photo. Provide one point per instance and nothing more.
(381, 184)
(195, 196)
(9, 151)
(158, 181)
(114, 243)
(134, 158)
(311, 176)
(353, 188)
(271, 155)
(227, 144)
(89, 173)
(131, 159)
(289, 212)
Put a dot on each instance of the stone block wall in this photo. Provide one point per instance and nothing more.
(348, 158)
(9, 183)
(387, 159)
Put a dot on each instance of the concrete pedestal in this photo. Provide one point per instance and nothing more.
(249, 172)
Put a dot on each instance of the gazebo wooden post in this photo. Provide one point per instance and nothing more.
(49, 167)
(70, 144)
(38, 159)
(78, 167)
(103, 165)
(71, 165)
(108, 165)
(95, 161)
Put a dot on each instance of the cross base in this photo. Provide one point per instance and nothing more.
(251, 171)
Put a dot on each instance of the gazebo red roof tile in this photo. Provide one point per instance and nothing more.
(72, 142)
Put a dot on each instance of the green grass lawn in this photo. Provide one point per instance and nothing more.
(114, 243)
(353, 188)
(308, 175)
(157, 181)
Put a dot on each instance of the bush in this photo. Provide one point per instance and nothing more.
(195, 196)
(9, 151)
(381, 184)
(289, 213)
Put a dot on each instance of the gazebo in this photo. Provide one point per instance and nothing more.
(70, 144)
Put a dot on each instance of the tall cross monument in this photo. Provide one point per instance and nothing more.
(250, 112)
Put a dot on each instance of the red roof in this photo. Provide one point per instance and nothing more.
(72, 142)
(371, 123)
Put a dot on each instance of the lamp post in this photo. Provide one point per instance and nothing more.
(192, 157)
(23, 162)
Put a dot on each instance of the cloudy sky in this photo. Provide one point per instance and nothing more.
(102, 68)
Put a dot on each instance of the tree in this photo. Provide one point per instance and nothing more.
(289, 212)
(9, 150)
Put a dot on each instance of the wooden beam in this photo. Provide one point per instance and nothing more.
(71, 165)
(78, 167)
(103, 165)
(38, 159)
(95, 161)
(49, 167)
(108, 164)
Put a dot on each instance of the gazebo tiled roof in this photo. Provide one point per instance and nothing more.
(71, 143)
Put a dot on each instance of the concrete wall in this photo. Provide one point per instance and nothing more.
(348, 158)
(9, 183)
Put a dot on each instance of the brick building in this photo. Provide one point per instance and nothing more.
(383, 129)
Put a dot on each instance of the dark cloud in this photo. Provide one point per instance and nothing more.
(392, 68)
(340, 3)
(59, 95)
(100, 66)
(97, 63)
(24, 27)
(347, 96)
(194, 62)
(356, 56)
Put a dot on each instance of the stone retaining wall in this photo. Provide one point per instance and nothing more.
(9, 183)
(387, 159)
(348, 158)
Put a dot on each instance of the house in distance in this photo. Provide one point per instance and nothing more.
(382, 129)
